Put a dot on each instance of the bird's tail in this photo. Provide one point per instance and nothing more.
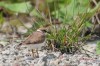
(18, 46)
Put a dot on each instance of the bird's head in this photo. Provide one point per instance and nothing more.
(44, 30)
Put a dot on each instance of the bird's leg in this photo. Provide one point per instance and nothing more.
(33, 53)
(37, 54)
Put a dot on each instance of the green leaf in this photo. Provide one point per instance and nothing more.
(85, 2)
(98, 48)
(23, 7)
(49, 1)
(88, 24)
(34, 12)
(1, 19)
(76, 7)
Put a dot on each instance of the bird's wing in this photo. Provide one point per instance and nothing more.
(35, 38)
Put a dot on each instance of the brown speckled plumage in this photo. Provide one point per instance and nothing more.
(35, 38)
(34, 41)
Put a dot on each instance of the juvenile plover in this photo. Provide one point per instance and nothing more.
(35, 41)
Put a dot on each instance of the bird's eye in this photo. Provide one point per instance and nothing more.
(44, 30)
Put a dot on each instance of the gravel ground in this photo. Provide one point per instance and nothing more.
(10, 56)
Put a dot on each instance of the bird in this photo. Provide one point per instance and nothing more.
(35, 41)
